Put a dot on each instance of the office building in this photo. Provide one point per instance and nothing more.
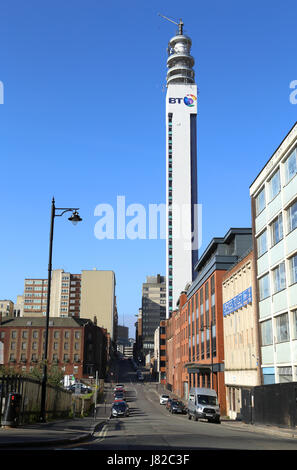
(241, 339)
(274, 217)
(153, 310)
(181, 168)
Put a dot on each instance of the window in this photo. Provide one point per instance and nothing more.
(291, 166)
(277, 230)
(264, 288)
(293, 269)
(282, 328)
(279, 278)
(274, 185)
(285, 374)
(266, 332)
(260, 202)
(292, 217)
(262, 244)
(294, 314)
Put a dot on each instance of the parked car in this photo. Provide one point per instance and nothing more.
(119, 396)
(168, 403)
(119, 387)
(120, 408)
(164, 399)
(139, 375)
(177, 406)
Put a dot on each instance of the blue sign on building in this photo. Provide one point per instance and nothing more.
(238, 301)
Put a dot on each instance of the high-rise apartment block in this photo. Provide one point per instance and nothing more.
(89, 295)
(181, 168)
(153, 309)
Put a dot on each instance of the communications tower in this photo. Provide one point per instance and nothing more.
(181, 167)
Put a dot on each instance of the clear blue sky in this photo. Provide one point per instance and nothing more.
(83, 120)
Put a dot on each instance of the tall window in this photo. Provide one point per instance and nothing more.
(277, 230)
(260, 202)
(291, 166)
(293, 269)
(294, 322)
(292, 217)
(262, 243)
(213, 306)
(207, 304)
(264, 288)
(282, 328)
(274, 185)
(266, 332)
(279, 278)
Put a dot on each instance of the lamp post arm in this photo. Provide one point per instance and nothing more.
(64, 209)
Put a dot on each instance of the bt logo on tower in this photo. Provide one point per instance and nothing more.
(189, 100)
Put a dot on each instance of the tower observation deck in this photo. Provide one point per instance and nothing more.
(180, 63)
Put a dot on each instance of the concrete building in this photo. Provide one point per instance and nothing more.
(274, 217)
(98, 299)
(241, 341)
(181, 168)
(65, 294)
(153, 310)
(35, 297)
(89, 295)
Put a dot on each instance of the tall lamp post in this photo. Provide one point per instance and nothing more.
(75, 218)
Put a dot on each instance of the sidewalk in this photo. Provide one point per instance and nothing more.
(60, 432)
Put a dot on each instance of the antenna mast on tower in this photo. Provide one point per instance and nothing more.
(180, 24)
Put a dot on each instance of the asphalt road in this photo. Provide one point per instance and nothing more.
(151, 427)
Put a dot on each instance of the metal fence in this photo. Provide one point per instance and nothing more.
(274, 404)
(58, 400)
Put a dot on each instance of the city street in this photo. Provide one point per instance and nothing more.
(151, 427)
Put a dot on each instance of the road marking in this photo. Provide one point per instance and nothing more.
(103, 433)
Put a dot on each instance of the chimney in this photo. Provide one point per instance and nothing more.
(95, 321)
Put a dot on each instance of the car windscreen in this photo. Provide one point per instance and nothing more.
(119, 406)
(207, 400)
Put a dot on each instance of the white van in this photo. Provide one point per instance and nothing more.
(203, 403)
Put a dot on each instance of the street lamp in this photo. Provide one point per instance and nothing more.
(75, 218)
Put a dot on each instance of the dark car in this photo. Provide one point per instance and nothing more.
(120, 408)
(177, 406)
(168, 403)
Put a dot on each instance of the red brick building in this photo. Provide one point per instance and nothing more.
(195, 338)
(77, 346)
